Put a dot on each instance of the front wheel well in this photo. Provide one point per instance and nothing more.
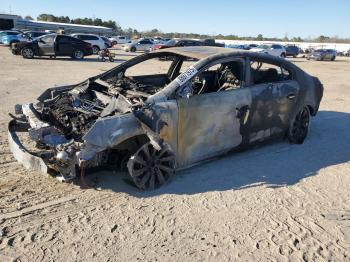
(120, 154)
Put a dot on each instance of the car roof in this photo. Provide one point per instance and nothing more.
(205, 53)
(198, 52)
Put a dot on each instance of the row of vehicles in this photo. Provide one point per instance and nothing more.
(271, 49)
(36, 43)
(279, 50)
(148, 44)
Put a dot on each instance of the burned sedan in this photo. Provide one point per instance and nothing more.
(207, 101)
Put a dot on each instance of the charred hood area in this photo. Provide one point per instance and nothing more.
(74, 111)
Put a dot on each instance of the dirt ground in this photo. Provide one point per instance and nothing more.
(278, 202)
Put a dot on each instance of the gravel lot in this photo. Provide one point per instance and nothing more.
(278, 202)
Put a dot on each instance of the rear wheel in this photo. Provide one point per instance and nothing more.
(150, 168)
(27, 53)
(299, 126)
(283, 55)
(133, 49)
(78, 54)
(95, 49)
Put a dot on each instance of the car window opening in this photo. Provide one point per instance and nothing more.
(268, 73)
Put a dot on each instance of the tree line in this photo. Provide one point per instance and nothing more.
(131, 32)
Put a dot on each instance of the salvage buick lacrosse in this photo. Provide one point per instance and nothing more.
(207, 102)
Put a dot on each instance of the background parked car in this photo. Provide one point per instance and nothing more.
(10, 39)
(8, 33)
(53, 45)
(21, 37)
(323, 54)
(141, 45)
(244, 47)
(96, 41)
(292, 50)
(211, 42)
(271, 49)
(177, 42)
(119, 40)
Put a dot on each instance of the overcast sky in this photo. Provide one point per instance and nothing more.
(305, 18)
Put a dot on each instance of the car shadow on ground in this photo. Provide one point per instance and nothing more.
(275, 165)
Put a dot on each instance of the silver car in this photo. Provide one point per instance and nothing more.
(140, 45)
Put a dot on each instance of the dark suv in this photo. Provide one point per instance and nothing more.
(292, 50)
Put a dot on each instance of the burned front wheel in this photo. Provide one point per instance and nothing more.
(299, 127)
(150, 168)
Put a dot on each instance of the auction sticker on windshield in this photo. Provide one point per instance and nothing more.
(185, 76)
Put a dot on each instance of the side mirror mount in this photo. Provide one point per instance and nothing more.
(185, 91)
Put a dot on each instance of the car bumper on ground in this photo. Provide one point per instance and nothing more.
(22, 155)
(27, 131)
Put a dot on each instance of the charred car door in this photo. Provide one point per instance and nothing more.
(209, 123)
(47, 45)
(274, 95)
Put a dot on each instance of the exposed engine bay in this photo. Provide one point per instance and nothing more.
(74, 112)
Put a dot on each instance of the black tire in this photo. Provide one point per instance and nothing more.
(333, 58)
(283, 55)
(95, 49)
(111, 59)
(27, 52)
(78, 54)
(133, 49)
(103, 59)
(299, 126)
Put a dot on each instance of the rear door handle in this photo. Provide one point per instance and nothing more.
(291, 96)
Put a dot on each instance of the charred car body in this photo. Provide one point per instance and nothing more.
(156, 124)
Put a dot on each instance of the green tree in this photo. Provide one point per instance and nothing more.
(260, 37)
